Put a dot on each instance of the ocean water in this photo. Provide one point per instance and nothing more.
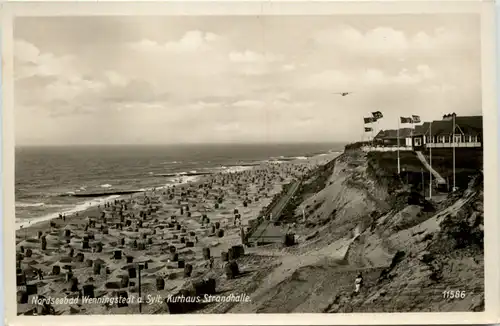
(46, 177)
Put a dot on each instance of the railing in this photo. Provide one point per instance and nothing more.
(428, 145)
(451, 145)
(386, 149)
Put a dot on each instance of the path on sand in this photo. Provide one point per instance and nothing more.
(289, 263)
(266, 229)
(436, 175)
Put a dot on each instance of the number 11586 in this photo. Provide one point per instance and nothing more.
(454, 294)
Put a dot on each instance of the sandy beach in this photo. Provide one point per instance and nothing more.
(171, 233)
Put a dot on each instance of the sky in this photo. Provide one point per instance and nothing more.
(208, 79)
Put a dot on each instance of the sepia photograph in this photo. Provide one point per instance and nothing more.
(250, 164)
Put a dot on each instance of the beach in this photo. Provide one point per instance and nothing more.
(171, 229)
(274, 237)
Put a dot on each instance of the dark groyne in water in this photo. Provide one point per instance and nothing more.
(102, 193)
(180, 175)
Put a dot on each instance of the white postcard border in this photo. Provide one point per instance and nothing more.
(492, 241)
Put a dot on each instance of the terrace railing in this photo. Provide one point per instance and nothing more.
(386, 148)
(451, 145)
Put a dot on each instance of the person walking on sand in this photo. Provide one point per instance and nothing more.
(358, 283)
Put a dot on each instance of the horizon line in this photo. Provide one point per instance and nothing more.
(184, 144)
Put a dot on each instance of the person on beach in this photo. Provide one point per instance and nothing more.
(211, 262)
(358, 282)
(40, 274)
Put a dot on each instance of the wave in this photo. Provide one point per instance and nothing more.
(237, 168)
(170, 162)
(79, 208)
(107, 185)
(183, 179)
(30, 204)
(22, 223)
(27, 205)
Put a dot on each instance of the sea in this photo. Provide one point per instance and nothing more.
(48, 179)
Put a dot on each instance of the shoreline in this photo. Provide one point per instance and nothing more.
(93, 205)
(96, 201)
(88, 206)
(258, 185)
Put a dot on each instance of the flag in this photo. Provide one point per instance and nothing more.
(406, 120)
(415, 118)
(368, 129)
(377, 115)
(369, 120)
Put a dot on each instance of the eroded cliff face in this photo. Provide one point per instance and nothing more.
(409, 250)
(443, 252)
(344, 206)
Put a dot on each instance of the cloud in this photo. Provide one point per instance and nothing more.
(253, 57)
(327, 80)
(388, 41)
(116, 79)
(31, 62)
(338, 80)
(71, 89)
(421, 74)
(186, 81)
(250, 63)
(225, 127)
(248, 104)
(289, 67)
(190, 42)
(59, 83)
(135, 90)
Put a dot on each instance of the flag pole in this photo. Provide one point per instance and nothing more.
(423, 181)
(411, 132)
(431, 141)
(399, 165)
(373, 137)
(378, 128)
(453, 151)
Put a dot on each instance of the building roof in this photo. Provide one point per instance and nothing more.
(393, 133)
(421, 129)
(471, 125)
